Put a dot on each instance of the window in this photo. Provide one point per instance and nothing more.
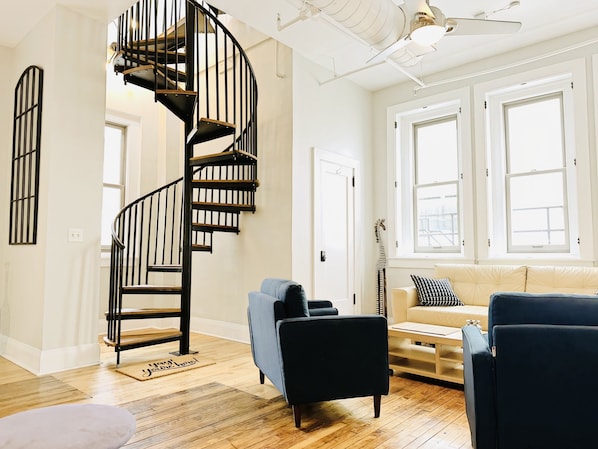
(429, 157)
(114, 179)
(436, 186)
(532, 188)
(536, 177)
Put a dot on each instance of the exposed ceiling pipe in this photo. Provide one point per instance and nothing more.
(380, 23)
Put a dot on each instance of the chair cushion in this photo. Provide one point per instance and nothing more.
(435, 292)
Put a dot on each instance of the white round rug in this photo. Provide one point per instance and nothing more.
(71, 426)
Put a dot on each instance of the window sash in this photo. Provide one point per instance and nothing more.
(111, 186)
(437, 217)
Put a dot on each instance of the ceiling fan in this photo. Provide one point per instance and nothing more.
(428, 25)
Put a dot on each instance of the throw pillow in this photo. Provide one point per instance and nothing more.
(295, 302)
(435, 292)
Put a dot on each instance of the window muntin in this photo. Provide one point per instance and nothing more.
(114, 179)
(436, 186)
(535, 178)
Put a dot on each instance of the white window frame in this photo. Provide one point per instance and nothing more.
(121, 185)
(133, 160)
(401, 222)
(489, 98)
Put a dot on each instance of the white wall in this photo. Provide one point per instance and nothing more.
(335, 117)
(507, 65)
(6, 107)
(52, 288)
(222, 280)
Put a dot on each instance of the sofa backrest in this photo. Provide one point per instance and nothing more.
(474, 284)
(546, 279)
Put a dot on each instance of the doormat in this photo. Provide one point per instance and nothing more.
(163, 367)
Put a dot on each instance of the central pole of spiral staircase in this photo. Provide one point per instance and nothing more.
(185, 324)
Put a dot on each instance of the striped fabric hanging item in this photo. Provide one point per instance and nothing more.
(380, 270)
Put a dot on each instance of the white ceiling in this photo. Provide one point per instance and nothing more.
(18, 17)
(326, 45)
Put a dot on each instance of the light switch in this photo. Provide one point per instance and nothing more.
(75, 235)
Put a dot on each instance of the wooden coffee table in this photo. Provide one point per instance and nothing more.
(426, 350)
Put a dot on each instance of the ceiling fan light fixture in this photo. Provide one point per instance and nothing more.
(427, 34)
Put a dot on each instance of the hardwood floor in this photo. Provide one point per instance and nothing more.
(223, 405)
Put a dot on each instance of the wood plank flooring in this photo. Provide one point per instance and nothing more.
(223, 406)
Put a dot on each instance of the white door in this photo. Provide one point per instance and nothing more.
(334, 230)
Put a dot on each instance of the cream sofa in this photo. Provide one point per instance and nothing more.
(474, 284)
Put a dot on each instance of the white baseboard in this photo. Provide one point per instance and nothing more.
(41, 362)
(215, 328)
(221, 329)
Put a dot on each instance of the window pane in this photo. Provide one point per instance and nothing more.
(436, 151)
(534, 135)
(537, 210)
(113, 147)
(111, 205)
(437, 209)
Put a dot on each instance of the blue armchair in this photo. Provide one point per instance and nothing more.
(531, 381)
(303, 347)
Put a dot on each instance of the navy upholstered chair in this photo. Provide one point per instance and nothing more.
(531, 381)
(310, 353)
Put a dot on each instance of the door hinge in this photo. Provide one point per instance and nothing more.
(353, 181)
(354, 299)
(578, 241)
(396, 243)
(575, 162)
(485, 105)
(571, 84)
(488, 243)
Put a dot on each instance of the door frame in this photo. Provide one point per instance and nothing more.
(319, 156)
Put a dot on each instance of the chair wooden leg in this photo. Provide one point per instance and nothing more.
(377, 401)
(297, 415)
(261, 377)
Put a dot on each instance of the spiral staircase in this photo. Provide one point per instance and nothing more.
(180, 50)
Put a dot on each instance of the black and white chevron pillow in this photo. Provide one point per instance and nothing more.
(435, 292)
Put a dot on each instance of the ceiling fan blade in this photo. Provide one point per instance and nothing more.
(384, 54)
(460, 26)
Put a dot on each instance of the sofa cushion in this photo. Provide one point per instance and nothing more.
(474, 284)
(435, 292)
(549, 279)
(453, 316)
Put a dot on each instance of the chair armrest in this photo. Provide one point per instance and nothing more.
(402, 298)
(479, 388)
(333, 357)
(318, 307)
(262, 313)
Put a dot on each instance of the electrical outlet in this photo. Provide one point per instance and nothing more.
(75, 235)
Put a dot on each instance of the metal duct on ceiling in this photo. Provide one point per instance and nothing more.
(380, 23)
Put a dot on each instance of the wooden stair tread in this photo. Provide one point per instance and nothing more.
(141, 313)
(166, 268)
(142, 337)
(201, 248)
(223, 207)
(234, 157)
(152, 289)
(209, 129)
(226, 184)
(208, 227)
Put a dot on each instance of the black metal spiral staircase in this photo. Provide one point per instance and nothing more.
(180, 50)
